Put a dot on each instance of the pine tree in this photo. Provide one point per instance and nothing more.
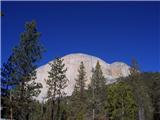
(79, 97)
(140, 92)
(98, 89)
(25, 56)
(80, 82)
(57, 82)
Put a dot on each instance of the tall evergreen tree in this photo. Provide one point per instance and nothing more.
(79, 97)
(25, 56)
(140, 92)
(57, 82)
(98, 89)
(80, 82)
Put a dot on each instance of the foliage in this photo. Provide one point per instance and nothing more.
(120, 102)
(152, 82)
(141, 92)
(23, 74)
(6, 84)
(57, 82)
(97, 89)
(79, 95)
(80, 83)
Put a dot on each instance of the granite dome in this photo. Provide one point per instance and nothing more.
(72, 62)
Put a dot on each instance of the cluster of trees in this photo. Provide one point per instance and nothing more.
(136, 97)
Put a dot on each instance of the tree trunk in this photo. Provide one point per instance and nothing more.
(93, 102)
(52, 110)
(11, 110)
(122, 109)
(27, 116)
(11, 115)
(58, 109)
(141, 113)
(93, 114)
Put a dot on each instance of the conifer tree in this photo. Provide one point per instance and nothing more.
(140, 92)
(80, 82)
(57, 82)
(79, 97)
(98, 89)
(25, 56)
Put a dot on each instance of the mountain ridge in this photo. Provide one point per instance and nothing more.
(72, 61)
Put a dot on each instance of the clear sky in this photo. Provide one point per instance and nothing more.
(112, 31)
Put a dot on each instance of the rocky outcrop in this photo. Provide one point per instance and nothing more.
(72, 62)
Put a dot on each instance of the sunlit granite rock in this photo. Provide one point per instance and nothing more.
(72, 62)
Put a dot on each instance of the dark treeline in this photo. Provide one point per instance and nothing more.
(136, 97)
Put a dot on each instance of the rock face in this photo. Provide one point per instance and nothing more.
(72, 62)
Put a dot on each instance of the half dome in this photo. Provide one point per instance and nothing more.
(72, 62)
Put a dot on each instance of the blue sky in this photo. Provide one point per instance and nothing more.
(112, 31)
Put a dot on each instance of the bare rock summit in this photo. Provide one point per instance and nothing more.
(72, 62)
